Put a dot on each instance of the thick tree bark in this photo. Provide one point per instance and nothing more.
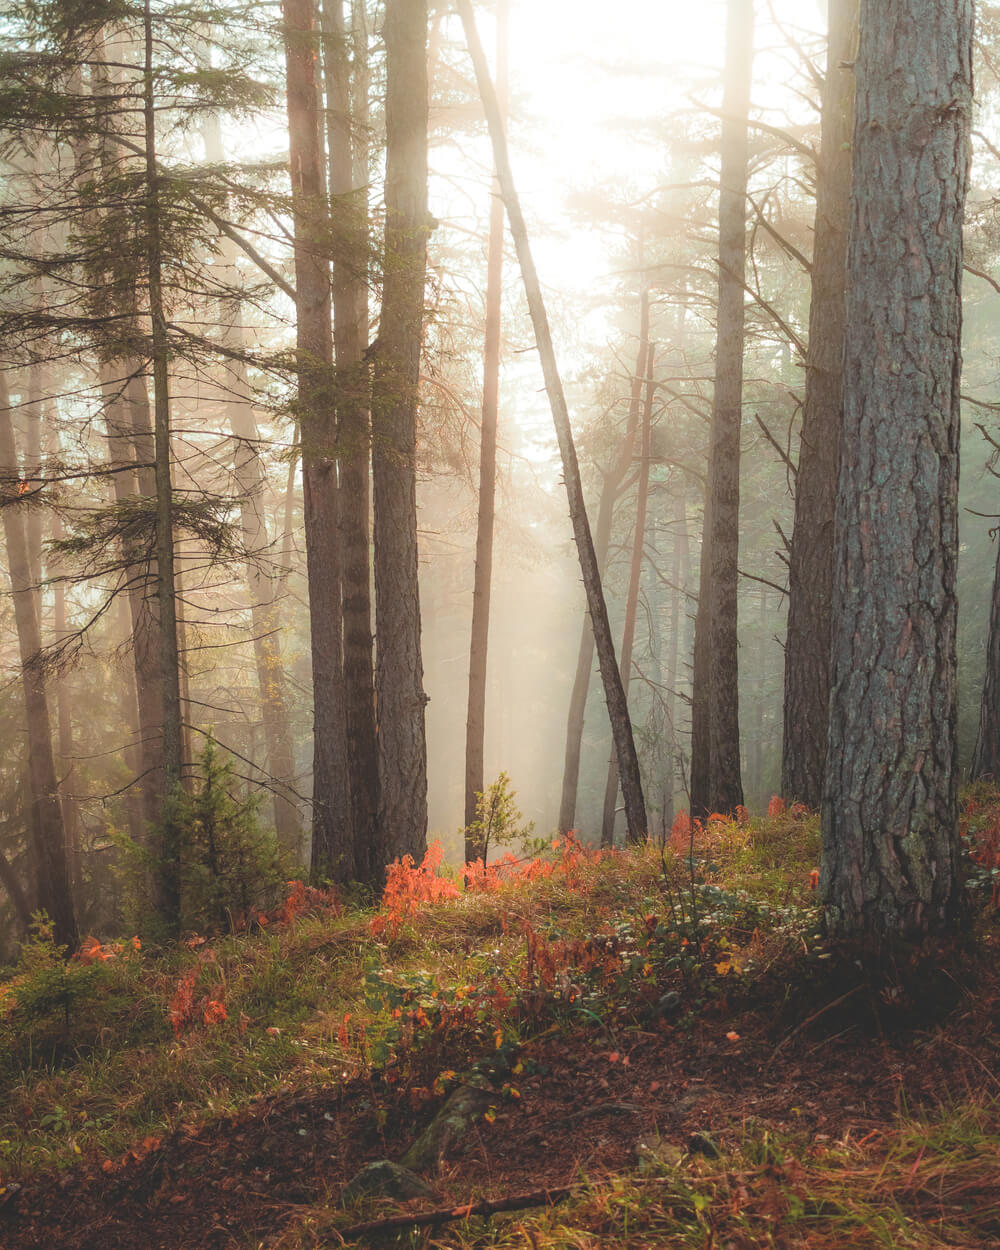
(167, 871)
(810, 559)
(611, 485)
(986, 756)
(53, 878)
(348, 148)
(399, 668)
(333, 842)
(632, 595)
(621, 726)
(475, 724)
(890, 864)
(715, 748)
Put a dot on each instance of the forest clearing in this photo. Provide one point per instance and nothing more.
(413, 411)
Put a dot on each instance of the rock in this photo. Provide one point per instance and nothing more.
(463, 1108)
(385, 1180)
(702, 1144)
(668, 1003)
(653, 1154)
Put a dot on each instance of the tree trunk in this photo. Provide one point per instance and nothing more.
(333, 843)
(167, 871)
(810, 558)
(890, 864)
(348, 148)
(632, 596)
(399, 668)
(986, 756)
(475, 725)
(621, 727)
(715, 747)
(610, 486)
(64, 722)
(53, 885)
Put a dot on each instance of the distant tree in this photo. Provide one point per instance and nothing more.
(52, 876)
(986, 756)
(715, 738)
(890, 864)
(810, 557)
(621, 726)
(475, 726)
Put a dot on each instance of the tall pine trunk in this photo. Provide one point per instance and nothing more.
(890, 865)
(621, 726)
(475, 724)
(399, 668)
(333, 842)
(167, 862)
(347, 141)
(715, 745)
(810, 558)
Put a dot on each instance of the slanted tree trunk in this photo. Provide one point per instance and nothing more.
(621, 726)
(890, 865)
(167, 869)
(632, 595)
(810, 559)
(611, 485)
(399, 667)
(333, 842)
(715, 745)
(347, 140)
(46, 825)
(986, 756)
(475, 724)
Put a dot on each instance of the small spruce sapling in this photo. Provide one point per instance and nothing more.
(498, 819)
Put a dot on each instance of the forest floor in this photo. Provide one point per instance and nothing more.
(667, 1053)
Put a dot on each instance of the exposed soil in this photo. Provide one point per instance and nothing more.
(241, 1181)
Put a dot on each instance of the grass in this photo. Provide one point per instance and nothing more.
(593, 949)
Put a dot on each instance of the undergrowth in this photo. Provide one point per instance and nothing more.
(104, 1055)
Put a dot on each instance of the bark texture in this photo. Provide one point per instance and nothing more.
(621, 726)
(333, 842)
(810, 559)
(475, 724)
(890, 863)
(347, 142)
(399, 667)
(715, 747)
(986, 756)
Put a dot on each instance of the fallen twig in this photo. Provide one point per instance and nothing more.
(516, 1202)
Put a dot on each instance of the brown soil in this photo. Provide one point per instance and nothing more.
(242, 1181)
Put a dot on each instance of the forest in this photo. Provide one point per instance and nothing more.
(501, 600)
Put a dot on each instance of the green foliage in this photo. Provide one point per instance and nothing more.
(228, 863)
(498, 819)
(47, 986)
